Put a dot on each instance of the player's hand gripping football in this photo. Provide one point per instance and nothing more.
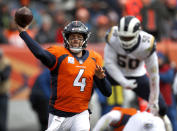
(99, 72)
(23, 18)
(20, 29)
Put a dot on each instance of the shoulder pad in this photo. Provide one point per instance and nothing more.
(152, 46)
(112, 32)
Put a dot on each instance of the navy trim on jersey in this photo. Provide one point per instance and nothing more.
(103, 85)
(84, 56)
(94, 59)
(54, 77)
(123, 122)
(60, 113)
(124, 119)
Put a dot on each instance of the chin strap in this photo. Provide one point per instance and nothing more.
(75, 50)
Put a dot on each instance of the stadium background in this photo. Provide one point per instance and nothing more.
(25, 67)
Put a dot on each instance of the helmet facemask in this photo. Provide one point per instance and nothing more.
(76, 27)
(128, 32)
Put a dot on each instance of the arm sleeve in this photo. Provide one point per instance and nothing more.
(153, 71)
(110, 59)
(105, 120)
(43, 55)
(103, 85)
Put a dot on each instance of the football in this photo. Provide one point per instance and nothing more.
(23, 16)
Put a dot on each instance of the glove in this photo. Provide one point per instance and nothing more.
(154, 108)
(130, 84)
(167, 123)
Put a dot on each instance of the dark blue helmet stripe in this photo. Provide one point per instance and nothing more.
(127, 21)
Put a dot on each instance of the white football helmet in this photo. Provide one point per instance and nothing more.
(128, 31)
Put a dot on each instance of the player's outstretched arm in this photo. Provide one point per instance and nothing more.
(105, 120)
(153, 71)
(43, 55)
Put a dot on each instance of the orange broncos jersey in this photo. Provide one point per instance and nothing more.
(72, 79)
(126, 114)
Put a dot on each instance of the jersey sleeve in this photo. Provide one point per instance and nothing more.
(55, 51)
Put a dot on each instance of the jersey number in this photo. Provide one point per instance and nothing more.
(81, 83)
(123, 61)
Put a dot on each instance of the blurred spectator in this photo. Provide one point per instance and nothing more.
(172, 8)
(5, 71)
(116, 5)
(78, 4)
(154, 14)
(12, 35)
(96, 9)
(82, 14)
(60, 22)
(46, 33)
(173, 32)
(99, 31)
(39, 97)
(3, 39)
(133, 7)
(166, 78)
(113, 18)
(5, 15)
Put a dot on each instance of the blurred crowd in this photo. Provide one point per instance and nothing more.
(158, 17)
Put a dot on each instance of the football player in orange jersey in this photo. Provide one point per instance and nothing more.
(129, 119)
(73, 70)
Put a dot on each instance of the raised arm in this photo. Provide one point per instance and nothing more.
(43, 55)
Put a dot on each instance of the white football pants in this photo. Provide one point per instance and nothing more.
(79, 122)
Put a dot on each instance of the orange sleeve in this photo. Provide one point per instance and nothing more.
(128, 111)
(55, 51)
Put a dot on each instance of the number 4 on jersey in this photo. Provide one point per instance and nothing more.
(82, 84)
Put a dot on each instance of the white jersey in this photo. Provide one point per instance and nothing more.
(121, 63)
(130, 64)
(144, 121)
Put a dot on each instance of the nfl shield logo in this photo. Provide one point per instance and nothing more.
(81, 61)
(71, 60)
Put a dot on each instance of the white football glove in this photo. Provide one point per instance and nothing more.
(153, 108)
(167, 123)
(130, 84)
